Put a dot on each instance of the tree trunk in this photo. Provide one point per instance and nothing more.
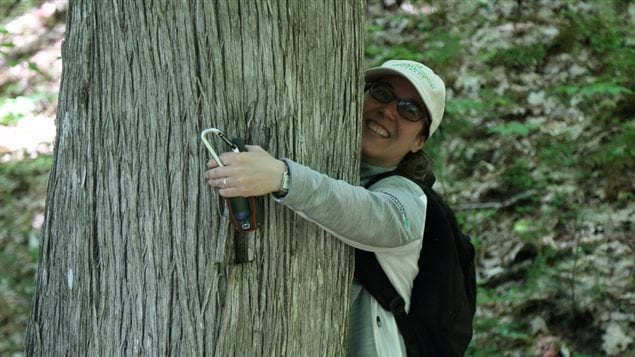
(136, 257)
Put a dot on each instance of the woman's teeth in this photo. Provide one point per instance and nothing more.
(377, 129)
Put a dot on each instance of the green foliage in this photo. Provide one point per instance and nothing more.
(463, 106)
(441, 50)
(517, 176)
(17, 176)
(372, 51)
(614, 159)
(492, 295)
(618, 152)
(558, 152)
(494, 103)
(14, 109)
(615, 124)
(445, 48)
(608, 89)
(566, 41)
(607, 35)
(433, 149)
(502, 334)
(523, 226)
(585, 144)
(5, 46)
(518, 57)
(608, 98)
(371, 28)
(512, 330)
(22, 194)
(512, 128)
(408, 52)
(458, 127)
(531, 294)
(13, 8)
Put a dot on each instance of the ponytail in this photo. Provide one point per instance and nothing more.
(418, 165)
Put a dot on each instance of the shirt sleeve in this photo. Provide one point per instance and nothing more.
(388, 216)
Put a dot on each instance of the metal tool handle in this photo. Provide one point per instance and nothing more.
(209, 146)
(240, 208)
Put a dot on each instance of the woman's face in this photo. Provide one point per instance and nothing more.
(386, 136)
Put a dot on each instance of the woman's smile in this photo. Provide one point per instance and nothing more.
(377, 129)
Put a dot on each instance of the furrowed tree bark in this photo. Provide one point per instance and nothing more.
(136, 257)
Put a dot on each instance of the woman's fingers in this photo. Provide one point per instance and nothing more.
(255, 148)
(251, 173)
(212, 164)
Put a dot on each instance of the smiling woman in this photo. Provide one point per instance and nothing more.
(392, 125)
(403, 106)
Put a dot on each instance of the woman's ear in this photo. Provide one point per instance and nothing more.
(418, 144)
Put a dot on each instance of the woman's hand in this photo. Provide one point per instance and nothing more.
(245, 174)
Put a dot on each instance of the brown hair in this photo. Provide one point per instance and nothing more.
(418, 165)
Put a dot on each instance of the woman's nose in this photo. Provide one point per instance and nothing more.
(389, 110)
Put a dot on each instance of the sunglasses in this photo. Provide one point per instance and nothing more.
(407, 108)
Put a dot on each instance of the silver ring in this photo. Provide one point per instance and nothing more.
(225, 182)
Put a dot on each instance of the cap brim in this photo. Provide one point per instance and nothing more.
(378, 72)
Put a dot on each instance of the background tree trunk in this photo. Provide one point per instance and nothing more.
(135, 256)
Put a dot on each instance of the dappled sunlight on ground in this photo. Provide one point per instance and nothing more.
(30, 69)
(31, 136)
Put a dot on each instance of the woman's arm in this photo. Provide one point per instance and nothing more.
(387, 217)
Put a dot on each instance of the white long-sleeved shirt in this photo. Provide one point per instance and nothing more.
(387, 219)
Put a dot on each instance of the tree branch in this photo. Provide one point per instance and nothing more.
(494, 205)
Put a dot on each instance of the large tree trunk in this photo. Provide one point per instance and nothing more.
(136, 257)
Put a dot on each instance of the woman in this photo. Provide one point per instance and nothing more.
(403, 107)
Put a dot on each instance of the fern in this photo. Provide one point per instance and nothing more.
(598, 89)
(513, 128)
(618, 154)
(517, 57)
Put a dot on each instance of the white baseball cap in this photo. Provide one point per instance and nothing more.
(428, 84)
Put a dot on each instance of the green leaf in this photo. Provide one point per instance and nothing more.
(522, 226)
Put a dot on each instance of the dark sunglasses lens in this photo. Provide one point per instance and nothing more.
(409, 110)
(381, 93)
(406, 108)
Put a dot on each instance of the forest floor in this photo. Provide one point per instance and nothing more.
(537, 158)
(520, 157)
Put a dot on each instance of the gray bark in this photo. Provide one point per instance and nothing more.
(135, 256)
